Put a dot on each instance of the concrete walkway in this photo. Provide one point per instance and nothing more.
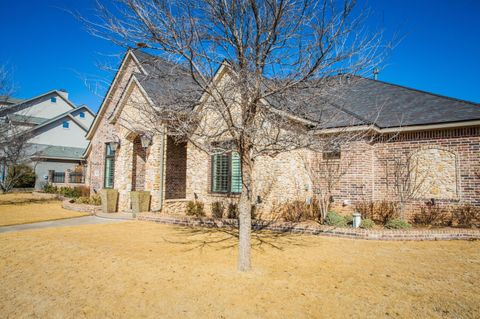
(77, 221)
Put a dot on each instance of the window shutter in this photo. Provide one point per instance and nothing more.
(220, 173)
(236, 182)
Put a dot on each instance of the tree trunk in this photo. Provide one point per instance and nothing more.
(245, 219)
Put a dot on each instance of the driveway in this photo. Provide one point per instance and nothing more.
(78, 221)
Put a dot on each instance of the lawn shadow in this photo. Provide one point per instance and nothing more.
(226, 238)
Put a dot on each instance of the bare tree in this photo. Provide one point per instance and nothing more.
(326, 170)
(406, 179)
(13, 140)
(284, 62)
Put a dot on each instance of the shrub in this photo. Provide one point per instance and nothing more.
(397, 224)
(349, 219)
(432, 215)
(96, 200)
(217, 209)
(77, 191)
(467, 215)
(82, 200)
(93, 200)
(70, 192)
(367, 223)
(378, 211)
(232, 211)
(386, 211)
(50, 189)
(24, 175)
(334, 219)
(195, 208)
(366, 208)
(298, 211)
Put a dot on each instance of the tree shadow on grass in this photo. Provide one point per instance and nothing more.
(226, 238)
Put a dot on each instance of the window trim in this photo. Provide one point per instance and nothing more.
(107, 157)
(229, 174)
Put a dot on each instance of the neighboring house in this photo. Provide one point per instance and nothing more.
(442, 133)
(55, 128)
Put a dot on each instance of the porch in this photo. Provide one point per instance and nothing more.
(156, 165)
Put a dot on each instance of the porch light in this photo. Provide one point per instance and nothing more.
(145, 140)
(114, 146)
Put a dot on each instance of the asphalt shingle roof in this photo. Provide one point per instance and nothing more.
(167, 84)
(359, 101)
(60, 152)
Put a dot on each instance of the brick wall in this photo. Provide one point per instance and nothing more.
(283, 178)
(176, 170)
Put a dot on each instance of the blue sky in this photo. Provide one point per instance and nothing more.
(46, 48)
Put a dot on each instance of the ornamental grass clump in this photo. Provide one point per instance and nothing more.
(195, 208)
(218, 209)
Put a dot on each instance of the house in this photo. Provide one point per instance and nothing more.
(441, 133)
(55, 129)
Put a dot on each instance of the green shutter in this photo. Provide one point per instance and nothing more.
(109, 167)
(220, 173)
(236, 184)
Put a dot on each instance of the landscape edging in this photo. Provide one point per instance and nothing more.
(321, 230)
(83, 208)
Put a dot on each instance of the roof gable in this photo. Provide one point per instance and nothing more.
(129, 56)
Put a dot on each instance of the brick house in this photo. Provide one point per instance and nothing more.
(441, 133)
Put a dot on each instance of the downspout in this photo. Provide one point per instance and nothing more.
(162, 168)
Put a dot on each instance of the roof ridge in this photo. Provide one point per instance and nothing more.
(420, 91)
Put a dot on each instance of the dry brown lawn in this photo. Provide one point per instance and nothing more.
(24, 208)
(140, 269)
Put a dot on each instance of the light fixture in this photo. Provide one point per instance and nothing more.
(114, 146)
(145, 140)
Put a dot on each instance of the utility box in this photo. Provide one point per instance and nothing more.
(140, 201)
(109, 200)
(357, 220)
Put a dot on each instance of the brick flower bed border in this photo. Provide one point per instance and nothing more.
(83, 208)
(373, 234)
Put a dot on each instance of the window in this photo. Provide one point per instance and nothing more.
(53, 99)
(226, 173)
(332, 152)
(65, 124)
(82, 115)
(109, 166)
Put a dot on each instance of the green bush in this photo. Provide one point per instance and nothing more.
(195, 208)
(217, 209)
(397, 224)
(50, 189)
(367, 224)
(232, 211)
(334, 219)
(75, 192)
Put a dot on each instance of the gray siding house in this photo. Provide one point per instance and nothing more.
(56, 131)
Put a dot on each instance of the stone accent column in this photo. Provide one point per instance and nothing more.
(67, 176)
